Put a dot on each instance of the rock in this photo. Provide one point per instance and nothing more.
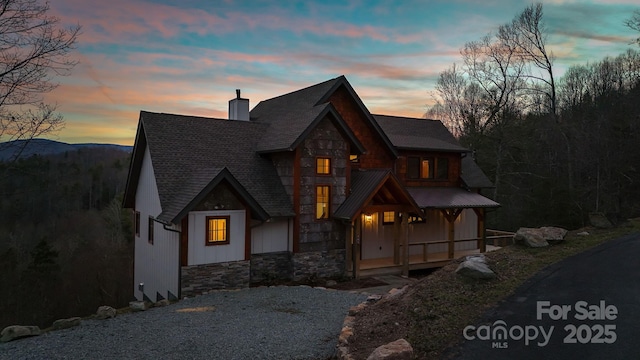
(373, 298)
(331, 283)
(66, 323)
(530, 237)
(396, 292)
(583, 233)
(356, 309)
(345, 334)
(161, 303)
(138, 305)
(475, 269)
(18, 331)
(397, 350)
(551, 233)
(105, 312)
(476, 257)
(599, 220)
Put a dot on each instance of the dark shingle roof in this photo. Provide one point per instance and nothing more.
(473, 176)
(363, 183)
(449, 198)
(418, 134)
(190, 153)
(289, 115)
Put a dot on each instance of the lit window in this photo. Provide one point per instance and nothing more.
(426, 168)
(217, 231)
(323, 194)
(323, 166)
(354, 158)
(388, 217)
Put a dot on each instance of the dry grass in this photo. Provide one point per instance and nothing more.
(432, 314)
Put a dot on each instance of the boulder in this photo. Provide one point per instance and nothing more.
(530, 237)
(552, 233)
(583, 233)
(66, 323)
(105, 312)
(599, 220)
(397, 350)
(476, 269)
(138, 305)
(18, 331)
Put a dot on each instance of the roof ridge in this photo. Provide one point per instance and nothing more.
(405, 117)
(303, 89)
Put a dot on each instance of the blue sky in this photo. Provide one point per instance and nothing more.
(188, 57)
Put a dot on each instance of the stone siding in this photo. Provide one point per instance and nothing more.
(318, 264)
(197, 279)
(324, 141)
(271, 266)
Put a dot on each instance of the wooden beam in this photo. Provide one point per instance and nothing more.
(349, 246)
(356, 247)
(396, 238)
(405, 243)
(387, 207)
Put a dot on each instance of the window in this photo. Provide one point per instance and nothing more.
(323, 166)
(427, 168)
(388, 217)
(136, 222)
(442, 171)
(413, 167)
(416, 220)
(323, 194)
(354, 159)
(217, 232)
(150, 235)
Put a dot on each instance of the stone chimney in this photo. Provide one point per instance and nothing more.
(239, 108)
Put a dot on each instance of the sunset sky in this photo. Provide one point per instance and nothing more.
(189, 56)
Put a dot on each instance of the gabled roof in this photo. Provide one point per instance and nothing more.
(418, 134)
(190, 155)
(473, 176)
(449, 198)
(364, 187)
(292, 116)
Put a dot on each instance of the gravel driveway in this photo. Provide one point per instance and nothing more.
(257, 323)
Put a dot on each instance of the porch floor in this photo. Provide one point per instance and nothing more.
(373, 267)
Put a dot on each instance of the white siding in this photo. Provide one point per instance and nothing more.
(271, 237)
(199, 253)
(157, 265)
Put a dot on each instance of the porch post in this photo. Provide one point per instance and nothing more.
(452, 235)
(349, 247)
(405, 243)
(482, 234)
(396, 238)
(356, 247)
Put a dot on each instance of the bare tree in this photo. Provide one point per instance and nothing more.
(633, 23)
(34, 50)
(526, 37)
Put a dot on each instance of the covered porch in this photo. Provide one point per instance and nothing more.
(395, 230)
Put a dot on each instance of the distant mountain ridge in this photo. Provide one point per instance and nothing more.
(45, 147)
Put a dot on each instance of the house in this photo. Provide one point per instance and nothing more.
(306, 184)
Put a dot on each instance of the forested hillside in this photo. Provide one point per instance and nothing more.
(65, 241)
(556, 148)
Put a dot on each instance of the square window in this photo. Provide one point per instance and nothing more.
(354, 158)
(388, 217)
(323, 195)
(217, 232)
(323, 166)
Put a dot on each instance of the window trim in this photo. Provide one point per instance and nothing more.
(227, 219)
(150, 227)
(316, 203)
(328, 173)
(136, 223)
(434, 160)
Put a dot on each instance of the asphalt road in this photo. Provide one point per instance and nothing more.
(584, 307)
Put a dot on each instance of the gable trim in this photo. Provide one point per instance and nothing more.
(135, 167)
(342, 81)
(244, 195)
